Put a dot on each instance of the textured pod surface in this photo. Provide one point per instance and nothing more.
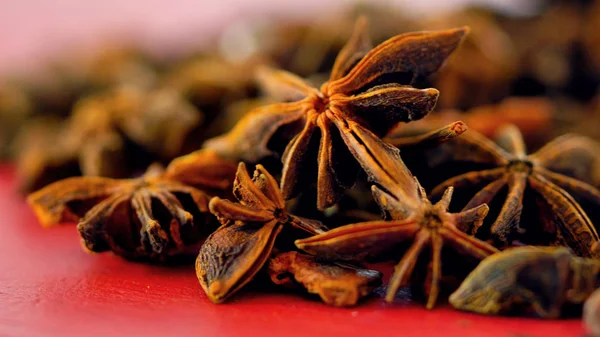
(369, 87)
(515, 179)
(150, 217)
(232, 255)
(538, 279)
(340, 285)
(409, 217)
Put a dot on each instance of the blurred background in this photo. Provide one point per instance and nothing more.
(32, 30)
(115, 85)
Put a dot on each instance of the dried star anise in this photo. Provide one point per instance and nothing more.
(338, 284)
(541, 279)
(232, 255)
(411, 216)
(513, 170)
(151, 217)
(368, 86)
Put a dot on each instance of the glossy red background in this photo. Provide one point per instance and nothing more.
(50, 287)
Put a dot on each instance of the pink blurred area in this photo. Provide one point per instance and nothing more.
(34, 31)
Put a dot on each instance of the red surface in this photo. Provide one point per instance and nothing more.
(50, 287)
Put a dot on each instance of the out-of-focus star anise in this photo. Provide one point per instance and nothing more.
(234, 253)
(532, 115)
(485, 64)
(411, 217)
(100, 135)
(367, 86)
(151, 217)
(338, 284)
(546, 172)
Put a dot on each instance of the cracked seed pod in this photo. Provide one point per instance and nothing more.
(338, 284)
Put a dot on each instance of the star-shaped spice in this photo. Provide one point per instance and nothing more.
(151, 217)
(234, 253)
(338, 284)
(514, 170)
(411, 217)
(369, 86)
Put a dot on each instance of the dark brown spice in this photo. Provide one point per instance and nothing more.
(410, 217)
(359, 90)
(541, 279)
(512, 168)
(151, 217)
(232, 255)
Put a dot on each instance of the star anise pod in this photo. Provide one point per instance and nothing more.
(410, 216)
(151, 217)
(540, 279)
(338, 284)
(232, 255)
(366, 85)
(544, 172)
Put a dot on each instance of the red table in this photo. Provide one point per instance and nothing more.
(50, 287)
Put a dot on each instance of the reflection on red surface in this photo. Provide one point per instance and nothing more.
(50, 287)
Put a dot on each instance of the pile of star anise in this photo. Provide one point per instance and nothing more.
(310, 175)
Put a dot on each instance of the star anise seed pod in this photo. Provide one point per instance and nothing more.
(369, 86)
(538, 279)
(410, 217)
(236, 251)
(150, 217)
(513, 169)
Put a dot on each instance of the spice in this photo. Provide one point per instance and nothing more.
(232, 255)
(512, 168)
(362, 88)
(541, 279)
(151, 217)
(340, 285)
(409, 216)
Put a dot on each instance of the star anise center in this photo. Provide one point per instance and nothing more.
(320, 102)
(432, 219)
(281, 215)
(520, 166)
